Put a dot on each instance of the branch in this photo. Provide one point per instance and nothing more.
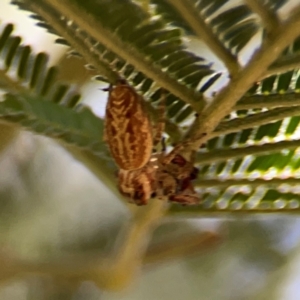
(94, 28)
(188, 11)
(269, 19)
(284, 64)
(113, 273)
(9, 85)
(214, 155)
(268, 101)
(207, 183)
(131, 251)
(255, 120)
(182, 247)
(200, 212)
(227, 98)
(170, 127)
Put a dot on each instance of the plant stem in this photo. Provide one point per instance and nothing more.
(114, 273)
(268, 101)
(255, 120)
(283, 64)
(269, 18)
(131, 251)
(215, 156)
(182, 247)
(239, 85)
(215, 212)
(206, 183)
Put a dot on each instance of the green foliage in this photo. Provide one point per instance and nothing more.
(44, 106)
(156, 41)
(82, 128)
(149, 48)
(235, 26)
(257, 164)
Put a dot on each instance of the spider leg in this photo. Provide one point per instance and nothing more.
(169, 157)
(163, 143)
(177, 149)
(160, 126)
(185, 199)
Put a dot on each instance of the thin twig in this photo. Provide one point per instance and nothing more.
(284, 64)
(95, 28)
(114, 273)
(255, 120)
(217, 183)
(270, 20)
(227, 98)
(130, 252)
(216, 212)
(188, 11)
(225, 154)
(170, 128)
(268, 101)
(9, 85)
(183, 246)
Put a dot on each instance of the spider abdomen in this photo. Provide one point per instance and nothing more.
(128, 129)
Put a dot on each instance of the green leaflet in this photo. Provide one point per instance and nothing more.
(234, 26)
(32, 71)
(44, 104)
(82, 129)
(171, 15)
(158, 43)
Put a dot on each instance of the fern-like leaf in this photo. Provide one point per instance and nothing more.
(31, 71)
(82, 128)
(160, 44)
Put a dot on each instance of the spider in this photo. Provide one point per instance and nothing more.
(143, 175)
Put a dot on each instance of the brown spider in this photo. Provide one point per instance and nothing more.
(128, 132)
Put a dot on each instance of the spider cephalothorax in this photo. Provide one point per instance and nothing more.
(138, 186)
(160, 178)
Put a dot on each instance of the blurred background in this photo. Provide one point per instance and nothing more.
(52, 207)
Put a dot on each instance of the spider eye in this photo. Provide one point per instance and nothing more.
(153, 195)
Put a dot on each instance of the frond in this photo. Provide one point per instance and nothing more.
(81, 128)
(146, 46)
(36, 100)
(255, 167)
(25, 71)
(250, 127)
